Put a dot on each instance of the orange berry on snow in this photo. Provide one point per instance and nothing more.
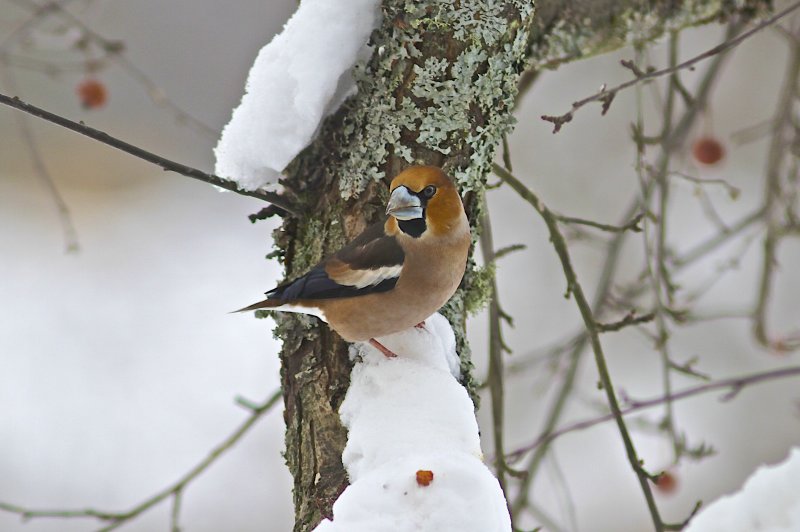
(424, 477)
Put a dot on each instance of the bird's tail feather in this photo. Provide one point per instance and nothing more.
(267, 303)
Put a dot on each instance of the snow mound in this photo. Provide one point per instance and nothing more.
(768, 502)
(462, 497)
(407, 415)
(302, 75)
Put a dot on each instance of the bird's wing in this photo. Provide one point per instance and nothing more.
(370, 263)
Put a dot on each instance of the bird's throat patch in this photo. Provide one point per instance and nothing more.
(413, 228)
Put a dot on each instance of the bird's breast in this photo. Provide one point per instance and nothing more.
(426, 282)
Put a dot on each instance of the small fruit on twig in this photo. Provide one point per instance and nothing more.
(666, 482)
(708, 150)
(92, 93)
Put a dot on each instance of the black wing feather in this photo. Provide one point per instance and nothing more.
(371, 250)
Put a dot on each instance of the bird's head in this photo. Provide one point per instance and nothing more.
(424, 200)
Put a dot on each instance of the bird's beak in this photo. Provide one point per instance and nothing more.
(403, 205)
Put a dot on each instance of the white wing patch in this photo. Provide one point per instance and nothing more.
(300, 309)
(371, 277)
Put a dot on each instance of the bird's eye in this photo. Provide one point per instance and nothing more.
(429, 191)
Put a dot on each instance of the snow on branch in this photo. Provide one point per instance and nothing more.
(413, 453)
(768, 502)
(300, 77)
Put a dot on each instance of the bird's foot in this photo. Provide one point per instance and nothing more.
(421, 325)
(388, 353)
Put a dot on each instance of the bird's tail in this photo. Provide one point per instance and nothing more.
(267, 303)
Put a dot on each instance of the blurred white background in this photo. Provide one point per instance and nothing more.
(120, 364)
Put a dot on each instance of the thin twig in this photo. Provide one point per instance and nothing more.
(710, 244)
(604, 284)
(166, 164)
(115, 51)
(606, 95)
(494, 378)
(116, 519)
(662, 285)
(632, 225)
(733, 192)
(683, 524)
(175, 514)
(71, 241)
(39, 12)
(507, 154)
(773, 209)
(752, 132)
(734, 383)
(575, 288)
(502, 252)
(576, 347)
(630, 319)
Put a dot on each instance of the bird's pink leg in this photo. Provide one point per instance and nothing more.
(388, 353)
(420, 325)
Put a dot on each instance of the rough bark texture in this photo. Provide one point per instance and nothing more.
(438, 89)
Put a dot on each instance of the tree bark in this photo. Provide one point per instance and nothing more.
(439, 89)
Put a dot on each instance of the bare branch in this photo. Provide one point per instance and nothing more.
(633, 225)
(72, 244)
(605, 95)
(574, 287)
(114, 50)
(774, 210)
(116, 519)
(497, 346)
(707, 246)
(732, 384)
(612, 255)
(732, 191)
(660, 277)
(630, 319)
(166, 164)
(176, 511)
(683, 524)
(502, 252)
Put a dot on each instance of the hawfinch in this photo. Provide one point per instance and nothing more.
(394, 274)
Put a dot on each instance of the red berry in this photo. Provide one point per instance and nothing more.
(708, 150)
(92, 93)
(666, 482)
(424, 477)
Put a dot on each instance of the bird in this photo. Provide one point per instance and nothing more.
(396, 273)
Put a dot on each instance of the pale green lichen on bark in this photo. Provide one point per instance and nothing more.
(575, 34)
(480, 292)
(446, 91)
(310, 232)
(642, 27)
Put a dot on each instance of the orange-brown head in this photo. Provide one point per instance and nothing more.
(424, 199)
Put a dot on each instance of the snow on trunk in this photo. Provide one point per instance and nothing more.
(413, 453)
(300, 77)
(768, 502)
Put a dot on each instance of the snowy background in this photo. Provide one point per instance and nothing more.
(121, 364)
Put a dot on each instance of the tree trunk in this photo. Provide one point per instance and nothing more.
(438, 89)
